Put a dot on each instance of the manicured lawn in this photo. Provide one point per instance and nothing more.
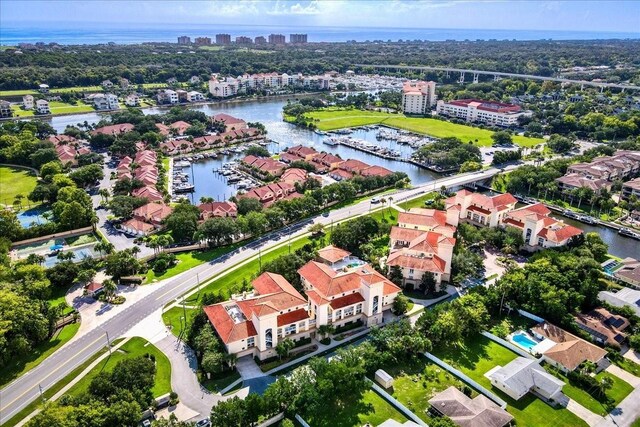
(135, 347)
(629, 366)
(418, 202)
(19, 112)
(19, 366)
(636, 423)
(371, 409)
(188, 260)
(619, 391)
(14, 181)
(173, 318)
(58, 107)
(331, 119)
(18, 92)
(414, 384)
(478, 356)
(217, 384)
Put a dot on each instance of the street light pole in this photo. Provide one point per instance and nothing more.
(108, 342)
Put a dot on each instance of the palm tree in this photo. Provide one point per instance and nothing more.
(324, 330)
(104, 247)
(231, 360)
(135, 251)
(104, 193)
(110, 288)
(205, 199)
(17, 201)
(66, 256)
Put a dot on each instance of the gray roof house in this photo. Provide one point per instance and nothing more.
(467, 412)
(393, 423)
(523, 375)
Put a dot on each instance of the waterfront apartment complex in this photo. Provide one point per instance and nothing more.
(480, 111)
(418, 97)
(203, 41)
(230, 86)
(297, 38)
(601, 172)
(223, 39)
(184, 40)
(277, 39)
(338, 289)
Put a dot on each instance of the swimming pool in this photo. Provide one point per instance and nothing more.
(523, 340)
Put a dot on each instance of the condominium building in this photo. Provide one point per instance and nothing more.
(600, 173)
(184, 40)
(42, 107)
(418, 97)
(223, 39)
(223, 89)
(338, 289)
(244, 40)
(297, 38)
(277, 39)
(260, 40)
(539, 229)
(203, 41)
(630, 189)
(480, 209)
(481, 111)
(423, 242)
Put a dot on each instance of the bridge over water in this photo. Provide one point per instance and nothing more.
(497, 75)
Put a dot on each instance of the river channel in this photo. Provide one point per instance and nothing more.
(269, 112)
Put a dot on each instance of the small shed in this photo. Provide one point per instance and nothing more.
(384, 379)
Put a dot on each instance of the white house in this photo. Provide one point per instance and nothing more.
(480, 209)
(168, 96)
(132, 100)
(43, 88)
(104, 101)
(522, 375)
(194, 96)
(42, 107)
(194, 80)
(223, 89)
(28, 102)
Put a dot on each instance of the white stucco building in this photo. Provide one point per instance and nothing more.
(481, 111)
(418, 97)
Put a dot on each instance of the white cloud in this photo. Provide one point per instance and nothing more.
(290, 8)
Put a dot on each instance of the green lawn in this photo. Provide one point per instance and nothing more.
(172, 318)
(331, 119)
(20, 365)
(478, 356)
(188, 260)
(418, 202)
(629, 366)
(217, 384)
(371, 409)
(18, 92)
(14, 181)
(58, 90)
(418, 382)
(133, 348)
(58, 107)
(19, 112)
(616, 394)
(636, 423)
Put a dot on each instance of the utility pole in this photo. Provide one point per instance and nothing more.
(41, 393)
(108, 342)
(260, 258)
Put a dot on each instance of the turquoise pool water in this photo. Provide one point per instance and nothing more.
(523, 340)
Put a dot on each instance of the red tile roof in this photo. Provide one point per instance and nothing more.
(113, 129)
(228, 330)
(346, 300)
(376, 171)
(292, 317)
(332, 253)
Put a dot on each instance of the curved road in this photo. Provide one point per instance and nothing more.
(25, 389)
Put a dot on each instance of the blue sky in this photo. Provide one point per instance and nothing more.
(573, 15)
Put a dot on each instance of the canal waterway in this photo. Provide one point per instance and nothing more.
(269, 112)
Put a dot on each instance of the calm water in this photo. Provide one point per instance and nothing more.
(269, 112)
(75, 33)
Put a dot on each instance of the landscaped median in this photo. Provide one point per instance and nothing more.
(334, 118)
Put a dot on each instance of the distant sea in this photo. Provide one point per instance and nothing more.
(97, 34)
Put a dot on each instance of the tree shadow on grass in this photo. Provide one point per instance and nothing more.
(464, 356)
(348, 416)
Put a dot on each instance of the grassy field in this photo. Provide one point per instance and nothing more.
(217, 384)
(135, 347)
(20, 365)
(478, 356)
(629, 366)
(371, 409)
(331, 119)
(14, 181)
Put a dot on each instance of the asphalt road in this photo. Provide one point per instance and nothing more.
(27, 388)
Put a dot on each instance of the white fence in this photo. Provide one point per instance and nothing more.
(507, 344)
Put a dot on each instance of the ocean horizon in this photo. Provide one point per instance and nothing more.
(74, 34)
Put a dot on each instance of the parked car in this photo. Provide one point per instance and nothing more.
(203, 423)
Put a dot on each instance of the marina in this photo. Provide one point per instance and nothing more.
(269, 112)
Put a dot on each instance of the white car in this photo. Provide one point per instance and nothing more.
(375, 200)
